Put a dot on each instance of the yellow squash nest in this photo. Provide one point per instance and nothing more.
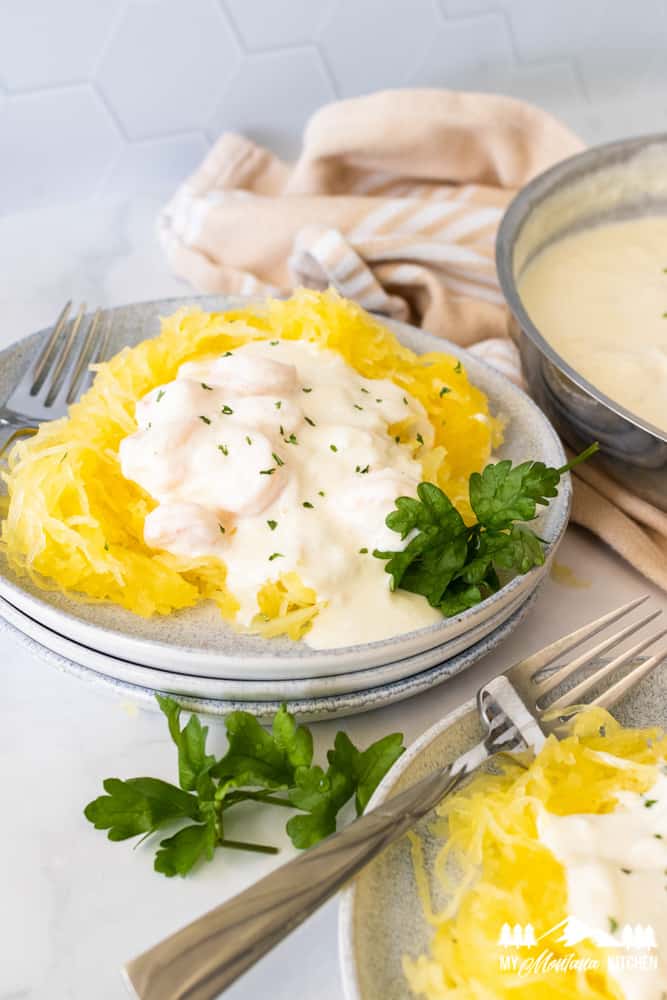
(506, 876)
(75, 523)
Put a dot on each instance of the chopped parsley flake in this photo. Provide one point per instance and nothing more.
(444, 391)
(658, 836)
(397, 439)
(457, 368)
(291, 439)
(266, 472)
(308, 504)
(308, 420)
(227, 410)
(248, 440)
(379, 401)
(363, 552)
(160, 395)
(649, 802)
(357, 407)
(627, 871)
(222, 529)
(276, 458)
(306, 388)
(364, 390)
(273, 343)
(206, 420)
(272, 525)
(278, 404)
(321, 493)
(276, 555)
(63, 458)
(613, 924)
(365, 469)
(106, 546)
(224, 449)
(204, 386)
(227, 354)
(405, 400)
(420, 439)
(333, 447)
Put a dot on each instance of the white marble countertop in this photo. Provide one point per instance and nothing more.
(74, 907)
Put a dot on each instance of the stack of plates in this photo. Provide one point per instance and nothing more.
(214, 670)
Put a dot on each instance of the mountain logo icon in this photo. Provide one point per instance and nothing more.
(572, 930)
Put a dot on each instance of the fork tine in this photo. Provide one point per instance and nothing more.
(558, 676)
(65, 356)
(87, 349)
(100, 353)
(576, 693)
(543, 657)
(44, 359)
(618, 690)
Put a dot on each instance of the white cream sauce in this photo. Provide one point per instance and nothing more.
(616, 868)
(276, 457)
(599, 297)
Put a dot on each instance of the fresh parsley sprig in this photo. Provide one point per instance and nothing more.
(268, 768)
(454, 565)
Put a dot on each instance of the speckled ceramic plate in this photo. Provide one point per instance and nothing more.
(273, 689)
(197, 641)
(308, 709)
(381, 918)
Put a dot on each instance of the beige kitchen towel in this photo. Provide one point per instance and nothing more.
(395, 201)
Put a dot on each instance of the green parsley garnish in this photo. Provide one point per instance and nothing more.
(224, 449)
(457, 368)
(204, 386)
(106, 546)
(357, 407)
(266, 472)
(454, 565)
(444, 390)
(268, 768)
(379, 401)
(321, 493)
(649, 802)
(333, 447)
(222, 529)
(658, 836)
(227, 410)
(276, 458)
(206, 420)
(291, 439)
(161, 394)
(363, 471)
(308, 504)
(227, 354)
(364, 390)
(278, 404)
(306, 388)
(309, 421)
(420, 439)
(273, 343)
(405, 401)
(248, 440)
(276, 555)
(613, 924)
(363, 552)
(627, 871)
(272, 525)
(397, 439)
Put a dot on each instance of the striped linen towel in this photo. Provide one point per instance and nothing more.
(395, 201)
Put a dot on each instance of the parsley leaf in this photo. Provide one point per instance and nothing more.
(257, 765)
(454, 565)
(179, 854)
(139, 805)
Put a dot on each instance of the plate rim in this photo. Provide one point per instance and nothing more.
(346, 949)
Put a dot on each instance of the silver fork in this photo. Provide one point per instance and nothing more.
(202, 959)
(58, 375)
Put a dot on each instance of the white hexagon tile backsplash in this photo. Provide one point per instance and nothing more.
(115, 96)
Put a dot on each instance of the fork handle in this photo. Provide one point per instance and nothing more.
(204, 958)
